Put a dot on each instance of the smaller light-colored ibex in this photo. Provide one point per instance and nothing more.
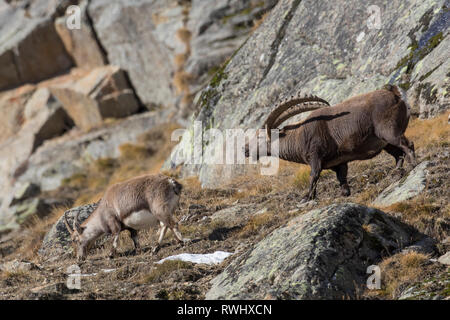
(132, 205)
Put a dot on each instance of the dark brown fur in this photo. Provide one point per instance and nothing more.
(357, 129)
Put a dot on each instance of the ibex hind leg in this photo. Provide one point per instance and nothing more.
(405, 146)
(135, 238)
(397, 153)
(341, 174)
(316, 168)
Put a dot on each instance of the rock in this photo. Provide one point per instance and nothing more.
(12, 106)
(102, 93)
(30, 48)
(216, 257)
(218, 28)
(181, 40)
(17, 266)
(81, 43)
(424, 246)
(406, 188)
(32, 207)
(25, 191)
(335, 62)
(322, 254)
(127, 31)
(44, 119)
(445, 259)
(57, 241)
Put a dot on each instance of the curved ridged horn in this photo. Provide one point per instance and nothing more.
(284, 110)
(67, 224)
(76, 226)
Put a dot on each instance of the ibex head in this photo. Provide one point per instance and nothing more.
(282, 112)
(76, 234)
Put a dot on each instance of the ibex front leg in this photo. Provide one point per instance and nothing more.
(162, 232)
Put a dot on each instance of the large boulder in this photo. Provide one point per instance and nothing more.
(326, 49)
(323, 254)
(57, 241)
(81, 43)
(217, 29)
(102, 93)
(30, 48)
(162, 43)
(128, 32)
(406, 188)
(44, 118)
(12, 106)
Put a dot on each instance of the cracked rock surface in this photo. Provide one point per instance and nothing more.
(323, 254)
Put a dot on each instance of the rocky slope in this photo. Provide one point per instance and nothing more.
(87, 107)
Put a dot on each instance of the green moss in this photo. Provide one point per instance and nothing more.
(427, 91)
(405, 85)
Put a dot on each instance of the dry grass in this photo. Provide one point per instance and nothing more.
(181, 81)
(401, 270)
(257, 23)
(184, 35)
(180, 59)
(36, 231)
(162, 270)
(430, 133)
(424, 214)
(257, 223)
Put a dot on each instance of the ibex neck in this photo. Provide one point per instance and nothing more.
(290, 149)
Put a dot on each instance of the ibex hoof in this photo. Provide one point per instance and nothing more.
(345, 192)
(185, 241)
(155, 249)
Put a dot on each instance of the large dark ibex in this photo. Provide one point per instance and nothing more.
(357, 129)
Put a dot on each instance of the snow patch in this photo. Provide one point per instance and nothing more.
(208, 258)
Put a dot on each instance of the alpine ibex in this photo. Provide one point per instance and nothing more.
(357, 129)
(132, 205)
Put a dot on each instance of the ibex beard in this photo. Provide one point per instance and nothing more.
(132, 205)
